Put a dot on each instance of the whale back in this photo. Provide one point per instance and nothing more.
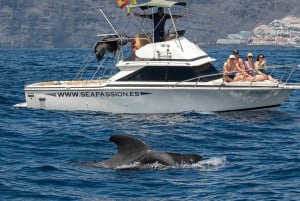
(170, 159)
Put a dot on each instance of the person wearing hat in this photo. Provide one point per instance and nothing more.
(240, 63)
(238, 60)
(159, 20)
(249, 65)
(231, 70)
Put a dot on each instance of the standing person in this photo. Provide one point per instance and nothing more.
(159, 20)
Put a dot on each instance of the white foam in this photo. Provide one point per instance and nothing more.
(20, 105)
(214, 163)
(210, 164)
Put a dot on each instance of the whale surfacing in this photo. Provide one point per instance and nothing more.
(131, 150)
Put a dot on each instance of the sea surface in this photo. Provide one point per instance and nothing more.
(45, 154)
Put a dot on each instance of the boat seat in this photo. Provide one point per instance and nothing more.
(173, 35)
(142, 39)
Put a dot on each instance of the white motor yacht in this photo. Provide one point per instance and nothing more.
(171, 76)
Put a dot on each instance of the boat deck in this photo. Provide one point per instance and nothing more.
(74, 82)
(214, 83)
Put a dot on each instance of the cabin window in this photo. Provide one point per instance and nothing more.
(205, 70)
(176, 74)
(171, 73)
(161, 74)
(146, 74)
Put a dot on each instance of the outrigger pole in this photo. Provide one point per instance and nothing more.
(110, 24)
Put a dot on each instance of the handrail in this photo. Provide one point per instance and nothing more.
(284, 74)
(198, 77)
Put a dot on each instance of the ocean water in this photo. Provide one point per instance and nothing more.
(45, 154)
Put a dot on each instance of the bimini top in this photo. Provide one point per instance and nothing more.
(158, 3)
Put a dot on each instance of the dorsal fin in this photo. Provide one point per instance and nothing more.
(128, 145)
(129, 149)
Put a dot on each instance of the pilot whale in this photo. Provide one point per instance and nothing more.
(132, 150)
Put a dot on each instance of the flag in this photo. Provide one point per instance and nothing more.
(133, 2)
(122, 3)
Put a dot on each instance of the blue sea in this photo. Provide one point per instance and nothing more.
(45, 154)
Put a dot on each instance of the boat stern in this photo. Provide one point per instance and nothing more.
(61, 95)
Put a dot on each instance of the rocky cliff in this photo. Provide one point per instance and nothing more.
(75, 23)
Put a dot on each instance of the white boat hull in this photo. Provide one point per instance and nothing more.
(155, 99)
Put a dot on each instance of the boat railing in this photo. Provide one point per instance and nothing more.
(282, 74)
(198, 78)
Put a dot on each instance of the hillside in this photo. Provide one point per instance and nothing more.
(75, 23)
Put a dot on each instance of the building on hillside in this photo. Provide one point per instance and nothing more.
(242, 37)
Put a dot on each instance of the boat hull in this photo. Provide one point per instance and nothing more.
(155, 99)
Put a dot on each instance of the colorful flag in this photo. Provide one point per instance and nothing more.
(122, 3)
(133, 2)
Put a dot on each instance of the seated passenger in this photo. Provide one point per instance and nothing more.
(261, 67)
(238, 61)
(254, 75)
(232, 72)
(260, 63)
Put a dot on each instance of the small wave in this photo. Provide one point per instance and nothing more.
(139, 166)
(210, 164)
(47, 168)
(44, 168)
(3, 99)
(214, 163)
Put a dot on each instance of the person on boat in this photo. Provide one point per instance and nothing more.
(261, 66)
(260, 63)
(238, 60)
(159, 20)
(254, 75)
(231, 70)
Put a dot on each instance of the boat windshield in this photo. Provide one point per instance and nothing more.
(206, 72)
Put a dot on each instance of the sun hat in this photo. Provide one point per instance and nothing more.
(249, 54)
(231, 56)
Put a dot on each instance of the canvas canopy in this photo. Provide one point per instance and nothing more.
(157, 3)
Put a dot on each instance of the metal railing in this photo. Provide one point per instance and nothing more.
(282, 73)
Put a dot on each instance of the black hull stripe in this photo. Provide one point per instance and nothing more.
(248, 109)
(155, 87)
(192, 86)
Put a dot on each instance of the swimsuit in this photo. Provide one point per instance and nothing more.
(262, 69)
(232, 75)
(249, 70)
